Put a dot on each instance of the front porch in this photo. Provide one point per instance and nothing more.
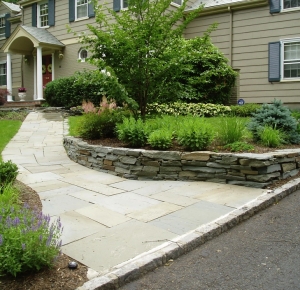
(40, 50)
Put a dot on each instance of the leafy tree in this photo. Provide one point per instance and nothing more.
(203, 75)
(133, 43)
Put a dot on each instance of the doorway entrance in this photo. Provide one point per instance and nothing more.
(47, 69)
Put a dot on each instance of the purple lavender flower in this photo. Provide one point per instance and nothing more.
(1, 240)
(16, 221)
(23, 246)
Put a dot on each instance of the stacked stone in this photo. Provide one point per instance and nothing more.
(247, 169)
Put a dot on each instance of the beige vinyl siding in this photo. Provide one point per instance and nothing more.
(220, 37)
(69, 64)
(253, 29)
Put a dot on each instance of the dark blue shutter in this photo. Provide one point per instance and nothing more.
(274, 61)
(34, 14)
(275, 6)
(71, 10)
(51, 12)
(91, 11)
(117, 5)
(7, 25)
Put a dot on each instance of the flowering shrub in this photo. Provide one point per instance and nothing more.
(27, 240)
(22, 90)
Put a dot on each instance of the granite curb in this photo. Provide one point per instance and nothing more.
(148, 261)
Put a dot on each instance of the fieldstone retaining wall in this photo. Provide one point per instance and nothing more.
(247, 169)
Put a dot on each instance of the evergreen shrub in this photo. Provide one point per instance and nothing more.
(87, 85)
(276, 116)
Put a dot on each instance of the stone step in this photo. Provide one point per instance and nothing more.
(17, 104)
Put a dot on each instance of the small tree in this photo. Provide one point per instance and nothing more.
(133, 43)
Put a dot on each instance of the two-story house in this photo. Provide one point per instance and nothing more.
(261, 39)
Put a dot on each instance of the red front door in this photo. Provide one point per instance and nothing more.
(47, 69)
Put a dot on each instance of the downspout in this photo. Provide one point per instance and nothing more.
(22, 56)
(230, 35)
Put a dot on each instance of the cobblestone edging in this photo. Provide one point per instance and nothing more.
(247, 169)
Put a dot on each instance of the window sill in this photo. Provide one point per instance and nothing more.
(290, 80)
(175, 4)
(82, 18)
(81, 59)
(44, 26)
(290, 10)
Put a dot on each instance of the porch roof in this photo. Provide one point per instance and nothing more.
(25, 39)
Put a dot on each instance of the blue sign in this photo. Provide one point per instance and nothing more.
(241, 102)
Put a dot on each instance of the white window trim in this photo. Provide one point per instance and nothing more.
(87, 12)
(122, 5)
(282, 42)
(4, 62)
(175, 4)
(288, 9)
(3, 36)
(80, 59)
(39, 15)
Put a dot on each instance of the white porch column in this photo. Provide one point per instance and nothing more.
(34, 78)
(53, 72)
(8, 77)
(39, 73)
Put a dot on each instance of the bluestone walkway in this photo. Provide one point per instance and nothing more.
(107, 219)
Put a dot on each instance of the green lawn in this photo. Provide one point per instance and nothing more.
(8, 129)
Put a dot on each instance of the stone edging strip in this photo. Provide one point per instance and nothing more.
(148, 261)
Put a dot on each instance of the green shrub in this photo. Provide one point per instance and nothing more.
(9, 194)
(231, 129)
(160, 139)
(277, 116)
(239, 147)
(27, 240)
(101, 125)
(271, 137)
(202, 74)
(184, 109)
(8, 172)
(195, 135)
(133, 132)
(246, 110)
(87, 85)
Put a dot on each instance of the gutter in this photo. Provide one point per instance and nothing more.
(240, 5)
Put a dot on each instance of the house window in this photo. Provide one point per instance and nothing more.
(178, 2)
(2, 27)
(124, 4)
(43, 14)
(81, 8)
(291, 4)
(3, 74)
(291, 60)
(82, 55)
